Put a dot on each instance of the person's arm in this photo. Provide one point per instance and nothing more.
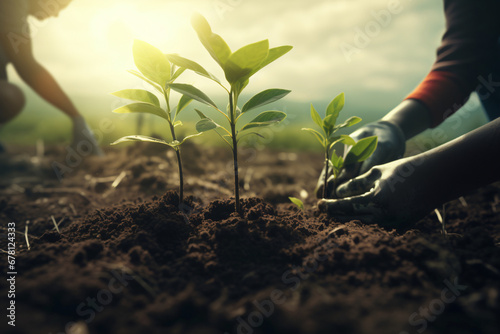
(37, 77)
(468, 51)
(411, 116)
(401, 192)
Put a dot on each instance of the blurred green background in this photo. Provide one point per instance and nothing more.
(376, 51)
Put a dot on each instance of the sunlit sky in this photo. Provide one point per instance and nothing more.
(88, 47)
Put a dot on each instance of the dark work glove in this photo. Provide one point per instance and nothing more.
(391, 146)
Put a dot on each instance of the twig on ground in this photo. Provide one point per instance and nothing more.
(26, 234)
(119, 179)
(441, 219)
(101, 179)
(93, 181)
(463, 201)
(61, 221)
(72, 207)
(55, 224)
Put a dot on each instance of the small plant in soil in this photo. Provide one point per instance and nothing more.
(359, 151)
(298, 203)
(238, 67)
(159, 72)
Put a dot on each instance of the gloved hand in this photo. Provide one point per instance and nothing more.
(391, 146)
(395, 194)
(83, 138)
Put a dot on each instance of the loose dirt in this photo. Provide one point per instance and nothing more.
(128, 259)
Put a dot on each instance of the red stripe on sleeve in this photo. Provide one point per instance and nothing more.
(441, 93)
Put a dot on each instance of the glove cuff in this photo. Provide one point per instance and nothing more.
(398, 133)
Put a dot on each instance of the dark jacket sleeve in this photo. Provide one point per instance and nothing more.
(466, 56)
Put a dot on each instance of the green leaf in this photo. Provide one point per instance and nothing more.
(143, 139)
(206, 124)
(329, 124)
(345, 139)
(316, 117)
(316, 134)
(191, 65)
(251, 133)
(142, 108)
(350, 122)
(361, 150)
(151, 62)
(265, 97)
(297, 202)
(183, 103)
(241, 63)
(178, 123)
(274, 53)
(264, 119)
(189, 137)
(337, 161)
(215, 45)
(142, 77)
(239, 86)
(139, 95)
(334, 108)
(193, 93)
(173, 69)
(202, 115)
(177, 73)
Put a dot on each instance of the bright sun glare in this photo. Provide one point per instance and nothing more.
(115, 27)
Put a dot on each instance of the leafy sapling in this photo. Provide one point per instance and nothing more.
(157, 71)
(238, 67)
(359, 151)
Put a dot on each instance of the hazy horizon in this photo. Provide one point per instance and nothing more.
(373, 50)
(88, 47)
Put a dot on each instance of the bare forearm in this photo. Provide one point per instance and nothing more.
(44, 84)
(411, 116)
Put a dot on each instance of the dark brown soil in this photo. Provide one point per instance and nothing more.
(128, 259)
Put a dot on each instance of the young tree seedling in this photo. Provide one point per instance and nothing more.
(238, 67)
(157, 71)
(360, 151)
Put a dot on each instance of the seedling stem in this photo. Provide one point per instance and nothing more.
(237, 205)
